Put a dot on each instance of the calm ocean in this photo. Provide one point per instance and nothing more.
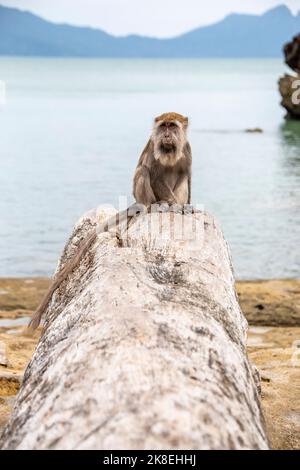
(71, 132)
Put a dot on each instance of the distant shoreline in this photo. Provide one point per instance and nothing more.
(125, 58)
(224, 38)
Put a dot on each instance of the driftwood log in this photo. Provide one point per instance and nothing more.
(144, 347)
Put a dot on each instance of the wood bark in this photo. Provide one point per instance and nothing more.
(144, 347)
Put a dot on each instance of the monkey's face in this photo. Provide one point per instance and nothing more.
(169, 135)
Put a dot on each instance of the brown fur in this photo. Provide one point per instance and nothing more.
(172, 117)
(163, 174)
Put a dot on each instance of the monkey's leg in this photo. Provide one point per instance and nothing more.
(181, 189)
(164, 193)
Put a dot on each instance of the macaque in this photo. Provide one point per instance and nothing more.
(163, 175)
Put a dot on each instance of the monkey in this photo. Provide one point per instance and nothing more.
(162, 175)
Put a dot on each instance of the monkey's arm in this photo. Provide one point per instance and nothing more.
(164, 193)
(142, 189)
(189, 189)
(188, 155)
(84, 247)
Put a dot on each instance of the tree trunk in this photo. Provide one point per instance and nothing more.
(144, 347)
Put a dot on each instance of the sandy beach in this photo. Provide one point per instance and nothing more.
(273, 312)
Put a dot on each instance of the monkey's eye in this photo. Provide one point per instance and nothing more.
(172, 125)
(163, 125)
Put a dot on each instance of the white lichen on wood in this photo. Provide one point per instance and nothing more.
(144, 348)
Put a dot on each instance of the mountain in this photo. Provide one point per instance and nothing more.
(237, 35)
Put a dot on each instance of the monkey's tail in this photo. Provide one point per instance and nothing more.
(70, 265)
(60, 277)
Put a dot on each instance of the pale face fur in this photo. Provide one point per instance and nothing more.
(169, 138)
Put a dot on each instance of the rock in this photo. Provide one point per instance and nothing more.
(278, 361)
(270, 303)
(9, 383)
(19, 297)
(289, 87)
(292, 53)
(144, 347)
(254, 130)
(9, 386)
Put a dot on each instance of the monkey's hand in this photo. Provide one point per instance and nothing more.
(161, 206)
(164, 193)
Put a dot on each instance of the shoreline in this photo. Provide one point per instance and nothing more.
(272, 308)
(270, 302)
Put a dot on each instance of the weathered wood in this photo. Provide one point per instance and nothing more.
(144, 348)
(3, 357)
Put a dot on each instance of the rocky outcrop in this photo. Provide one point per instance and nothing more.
(144, 347)
(289, 85)
(292, 53)
(270, 303)
(276, 352)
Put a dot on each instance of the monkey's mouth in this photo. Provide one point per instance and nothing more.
(167, 147)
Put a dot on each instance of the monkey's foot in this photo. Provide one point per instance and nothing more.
(160, 207)
(177, 208)
(163, 207)
(190, 209)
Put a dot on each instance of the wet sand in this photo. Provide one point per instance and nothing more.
(271, 307)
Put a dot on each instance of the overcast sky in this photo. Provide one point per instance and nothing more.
(159, 18)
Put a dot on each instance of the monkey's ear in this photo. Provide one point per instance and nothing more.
(186, 122)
